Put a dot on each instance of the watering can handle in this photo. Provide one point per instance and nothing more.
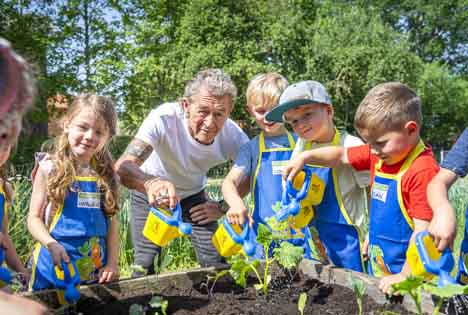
(444, 263)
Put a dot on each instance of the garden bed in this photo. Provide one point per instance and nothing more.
(326, 289)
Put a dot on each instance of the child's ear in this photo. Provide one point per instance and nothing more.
(412, 127)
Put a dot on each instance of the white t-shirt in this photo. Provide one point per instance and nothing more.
(351, 182)
(177, 156)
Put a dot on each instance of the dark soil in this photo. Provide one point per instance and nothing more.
(230, 299)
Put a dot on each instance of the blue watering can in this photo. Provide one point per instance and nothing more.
(66, 281)
(5, 275)
(291, 198)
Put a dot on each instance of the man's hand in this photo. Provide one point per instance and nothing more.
(206, 212)
(161, 193)
(443, 228)
(58, 253)
(293, 167)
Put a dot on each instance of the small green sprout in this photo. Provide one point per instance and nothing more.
(301, 303)
(359, 289)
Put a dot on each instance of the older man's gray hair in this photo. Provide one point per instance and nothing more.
(216, 81)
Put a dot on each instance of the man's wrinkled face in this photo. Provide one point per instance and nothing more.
(206, 115)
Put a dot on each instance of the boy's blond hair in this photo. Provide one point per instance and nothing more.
(265, 89)
(388, 106)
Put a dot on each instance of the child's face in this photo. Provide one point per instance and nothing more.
(259, 112)
(87, 134)
(5, 154)
(392, 146)
(312, 122)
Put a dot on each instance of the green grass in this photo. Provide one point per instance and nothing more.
(458, 196)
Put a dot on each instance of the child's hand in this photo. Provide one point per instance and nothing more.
(365, 249)
(58, 253)
(443, 228)
(293, 167)
(108, 273)
(3, 241)
(237, 216)
(385, 284)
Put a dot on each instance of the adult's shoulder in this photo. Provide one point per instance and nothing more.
(166, 110)
(348, 140)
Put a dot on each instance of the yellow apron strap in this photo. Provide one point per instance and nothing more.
(417, 150)
(292, 143)
(336, 141)
(261, 142)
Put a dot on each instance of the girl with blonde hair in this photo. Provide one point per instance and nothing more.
(74, 198)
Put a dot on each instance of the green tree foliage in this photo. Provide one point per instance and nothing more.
(142, 52)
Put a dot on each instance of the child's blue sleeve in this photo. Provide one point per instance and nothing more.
(244, 158)
(457, 158)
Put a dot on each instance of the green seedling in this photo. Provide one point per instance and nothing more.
(287, 255)
(444, 293)
(159, 302)
(411, 286)
(359, 289)
(136, 309)
(213, 279)
(301, 303)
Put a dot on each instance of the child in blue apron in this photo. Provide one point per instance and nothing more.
(389, 119)
(340, 216)
(10, 256)
(443, 225)
(258, 166)
(74, 199)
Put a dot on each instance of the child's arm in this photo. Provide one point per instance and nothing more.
(12, 258)
(111, 270)
(386, 282)
(327, 156)
(35, 222)
(233, 188)
(443, 226)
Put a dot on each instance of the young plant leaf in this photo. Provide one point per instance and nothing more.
(288, 255)
(240, 268)
(136, 309)
(159, 302)
(302, 302)
(445, 291)
(408, 285)
(264, 236)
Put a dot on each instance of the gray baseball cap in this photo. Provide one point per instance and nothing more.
(297, 94)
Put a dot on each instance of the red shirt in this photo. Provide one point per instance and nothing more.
(413, 183)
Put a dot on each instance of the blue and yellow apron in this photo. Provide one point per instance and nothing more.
(4, 205)
(390, 227)
(267, 183)
(462, 274)
(80, 226)
(335, 229)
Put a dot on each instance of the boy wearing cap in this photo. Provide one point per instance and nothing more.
(389, 119)
(259, 162)
(340, 217)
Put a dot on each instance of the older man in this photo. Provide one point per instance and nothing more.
(169, 158)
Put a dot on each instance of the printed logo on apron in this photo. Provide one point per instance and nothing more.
(89, 200)
(379, 191)
(277, 167)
